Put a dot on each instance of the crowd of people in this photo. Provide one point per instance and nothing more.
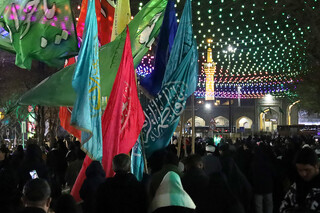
(252, 175)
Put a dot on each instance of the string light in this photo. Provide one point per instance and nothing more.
(263, 53)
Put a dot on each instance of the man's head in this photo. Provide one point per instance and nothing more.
(307, 164)
(121, 163)
(171, 158)
(193, 161)
(36, 193)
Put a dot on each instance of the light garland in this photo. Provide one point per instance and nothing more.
(262, 52)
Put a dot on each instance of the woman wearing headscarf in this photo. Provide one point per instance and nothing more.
(171, 197)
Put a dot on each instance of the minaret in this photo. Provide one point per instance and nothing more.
(210, 69)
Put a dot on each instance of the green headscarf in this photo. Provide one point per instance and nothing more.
(171, 193)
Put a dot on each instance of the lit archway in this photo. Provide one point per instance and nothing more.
(244, 121)
(268, 119)
(221, 121)
(198, 121)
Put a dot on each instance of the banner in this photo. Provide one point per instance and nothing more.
(42, 30)
(180, 80)
(105, 15)
(56, 90)
(122, 17)
(106, 11)
(123, 117)
(86, 113)
(152, 83)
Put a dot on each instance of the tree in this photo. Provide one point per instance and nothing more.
(308, 91)
(13, 116)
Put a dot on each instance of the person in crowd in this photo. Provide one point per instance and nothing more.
(4, 159)
(95, 176)
(263, 175)
(156, 160)
(57, 163)
(32, 163)
(195, 182)
(304, 194)
(67, 204)
(244, 157)
(72, 153)
(211, 163)
(238, 183)
(122, 193)
(210, 194)
(9, 194)
(17, 156)
(171, 163)
(74, 168)
(170, 197)
(36, 196)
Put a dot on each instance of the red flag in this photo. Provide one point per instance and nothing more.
(106, 24)
(105, 14)
(65, 116)
(123, 118)
(81, 177)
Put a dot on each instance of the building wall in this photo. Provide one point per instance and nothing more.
(222, 110)
(248, 108)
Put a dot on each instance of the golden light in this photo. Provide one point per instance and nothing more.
(210, 69)
(1, 115)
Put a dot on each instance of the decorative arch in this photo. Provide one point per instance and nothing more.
(198, 121)
(269, 119)
(245, 122)
(221, 121)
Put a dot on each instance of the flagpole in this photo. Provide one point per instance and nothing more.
(185, 146)
(193, 127)
(180, 138)
(184, 138)
(144, 155)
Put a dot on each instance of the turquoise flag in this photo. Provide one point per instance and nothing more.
(137, 161)
(86, 113)
(180, 80)
(153, 82)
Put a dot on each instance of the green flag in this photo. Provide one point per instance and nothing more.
(57, 90)
(42, 30)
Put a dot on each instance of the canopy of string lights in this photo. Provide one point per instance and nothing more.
(258, 47)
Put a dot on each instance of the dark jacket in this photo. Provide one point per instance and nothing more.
(95, 176)
(72, 172)
(57, 164)
(121, 194)
(221, 196)
(262, 172)
(195, 182)
(238, 183)
(210, 194)
(211, 164)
